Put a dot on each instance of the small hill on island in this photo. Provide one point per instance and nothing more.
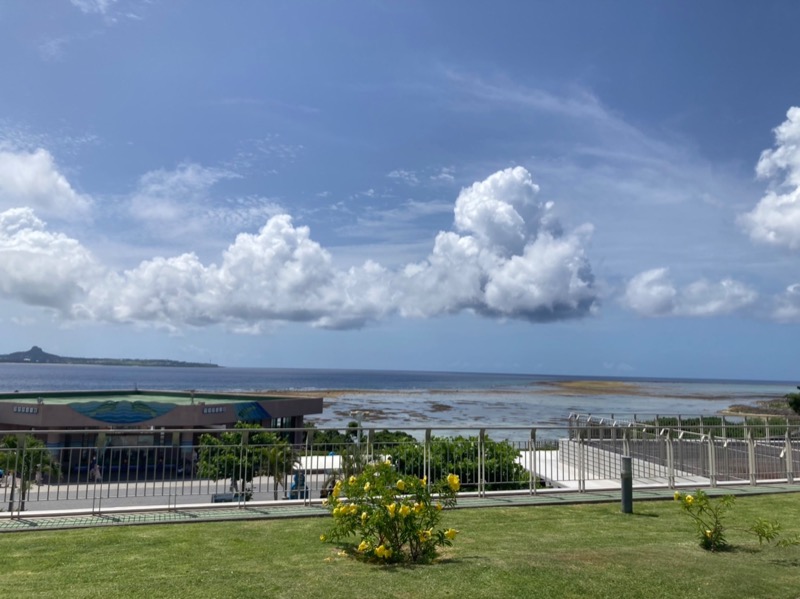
(36, 355)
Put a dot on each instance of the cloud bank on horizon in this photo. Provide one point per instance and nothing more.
(578, 189)
(508, 257)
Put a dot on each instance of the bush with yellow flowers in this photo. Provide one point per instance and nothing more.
(382, 516)
(707, 515)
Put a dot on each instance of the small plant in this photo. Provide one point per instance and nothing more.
(707, 516)
(765, 530)
(392, 518)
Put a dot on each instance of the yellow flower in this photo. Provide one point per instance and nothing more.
(689, 500)
(405, 510)
(418, 507)
(364, 517)
(391, 507)
(363, 546)
(325, 501)
(353, 508)
(388, 461)
(336, 511)
(454, 482)
(424, 480)
(366, 487)
(323, 538)
(383, 551)
(401, 485)
(451, 533)
(438, 507)
(425, 535)
(352, 480)
(337, 489)
(708, 534)
(677, 495)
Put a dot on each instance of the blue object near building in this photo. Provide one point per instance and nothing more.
(299, 490)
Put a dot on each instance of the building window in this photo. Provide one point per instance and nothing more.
(214, 410)
(26, 409)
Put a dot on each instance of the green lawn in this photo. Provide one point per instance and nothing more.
(589, 550)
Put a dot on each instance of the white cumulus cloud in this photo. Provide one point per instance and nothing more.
(42, 268)
(32, 179)
(775, 219)
(652, 293)
(787, 305)
(509, 259)
(279, 274)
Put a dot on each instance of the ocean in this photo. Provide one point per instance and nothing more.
(401, 399)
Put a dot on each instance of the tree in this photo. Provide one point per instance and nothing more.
(328, 439)
(26, 458)
(460, 455)
(241, 455)
(793, 399)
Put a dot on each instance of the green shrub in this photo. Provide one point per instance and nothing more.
(242, 453)
(707, 516)
(391, 517)
(501, 470)
(793, 399)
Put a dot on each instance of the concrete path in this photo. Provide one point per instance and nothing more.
(32, 521)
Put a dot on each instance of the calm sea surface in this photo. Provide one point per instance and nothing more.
(396, 399)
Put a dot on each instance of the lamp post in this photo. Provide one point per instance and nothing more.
(627, 485)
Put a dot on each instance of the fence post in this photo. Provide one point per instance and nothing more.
(626, 442)
(241, 493)
(532, 461)
(581, 460)
(670, 459)
(712, 460)
(309, 451)
(788, 449)
(23, 479)
(751, 454)
(426, 458)
(481, 463)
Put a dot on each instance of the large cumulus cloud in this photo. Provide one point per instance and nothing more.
(775, 219)
(510, 260)
(32, 180)
(652, 293)
(41, 268)
(507, 258)
(279, 274)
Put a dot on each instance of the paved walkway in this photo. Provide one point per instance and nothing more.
(64, 520)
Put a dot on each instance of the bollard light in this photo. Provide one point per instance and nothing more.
(626, 474)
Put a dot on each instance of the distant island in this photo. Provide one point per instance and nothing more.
(36, 355)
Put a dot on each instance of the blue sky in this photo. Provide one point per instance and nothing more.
(554, 188)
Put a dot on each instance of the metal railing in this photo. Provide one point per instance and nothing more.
(140, 470)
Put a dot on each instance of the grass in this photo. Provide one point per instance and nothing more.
(589, 550)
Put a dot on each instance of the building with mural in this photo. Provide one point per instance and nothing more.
(171, 420)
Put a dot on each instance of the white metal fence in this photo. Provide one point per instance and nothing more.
(119, 470)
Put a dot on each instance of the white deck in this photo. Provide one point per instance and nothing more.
(551, 468)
